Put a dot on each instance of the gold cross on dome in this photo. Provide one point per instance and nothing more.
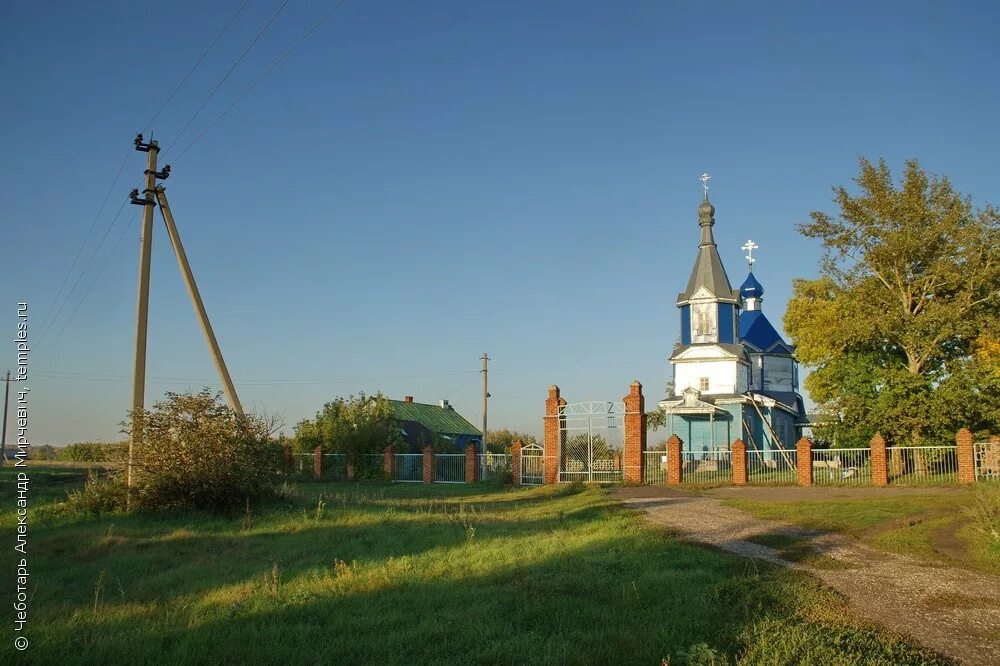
(750, 246)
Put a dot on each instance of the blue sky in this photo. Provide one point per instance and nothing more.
(418, 183)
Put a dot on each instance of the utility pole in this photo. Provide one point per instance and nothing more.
(486, 394)
(3, 436)
(142, 299)
(196, 302)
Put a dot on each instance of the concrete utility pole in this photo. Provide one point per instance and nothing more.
(142, 299)
(3, 436)
(196, 302)
(486, 394)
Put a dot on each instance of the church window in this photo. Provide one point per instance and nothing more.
(703, 383)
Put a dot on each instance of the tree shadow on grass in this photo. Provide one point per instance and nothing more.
(631, 598)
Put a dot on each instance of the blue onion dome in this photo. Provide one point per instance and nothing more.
(751, 288)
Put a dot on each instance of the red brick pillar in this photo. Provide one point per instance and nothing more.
(738, 452)
(879, 461)
(635, 433)
(966, 456)
(389, 462)
(674, 464)
(471, 463)
(317, 463)
(804, 462)
(551, 435)
(428, 464)
(515, 462)
(350, 467)
(287, 458)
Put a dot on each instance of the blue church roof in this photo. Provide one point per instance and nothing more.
(751, 288)
(757, 330)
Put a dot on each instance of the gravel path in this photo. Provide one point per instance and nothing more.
(949, 609)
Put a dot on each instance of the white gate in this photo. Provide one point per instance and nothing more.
(591, 438)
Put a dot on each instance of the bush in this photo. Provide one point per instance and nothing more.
(194, 453)
(985, 509)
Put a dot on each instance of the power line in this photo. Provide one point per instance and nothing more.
(76, 283)
(226, 75)
(86, 238)
(253, 85)
(195, 65)
(92, 283)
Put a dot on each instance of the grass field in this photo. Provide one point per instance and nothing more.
(935, 526)
(342, 574)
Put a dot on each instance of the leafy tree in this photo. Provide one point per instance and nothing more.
(353, 425)
(500, 441)
(656, 419)
(901, 326)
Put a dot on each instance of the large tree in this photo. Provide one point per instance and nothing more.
(901, 327)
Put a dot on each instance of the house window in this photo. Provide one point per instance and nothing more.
(703, 383)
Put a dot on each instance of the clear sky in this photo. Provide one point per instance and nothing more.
(420, 182)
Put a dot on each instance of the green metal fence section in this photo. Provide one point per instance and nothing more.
(842, 467)
(532, 469)
(410, 467)
(654, 467)
(923, 465)
(494, 466)
(449, 468)
(706, 467)
(771, 466)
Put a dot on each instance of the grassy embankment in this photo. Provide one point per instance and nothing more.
(939, 527)
(338, 573)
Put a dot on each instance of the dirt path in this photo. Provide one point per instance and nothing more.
(949, 609)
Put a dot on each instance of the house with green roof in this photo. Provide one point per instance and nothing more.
(421, 424)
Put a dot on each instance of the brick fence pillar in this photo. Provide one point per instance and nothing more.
(804, 462)
(389, 462)
(287, 457)
(966, 456)
(428, 464)
(551, 435)
(349, 471)
(879, 461)
(317, 463)
(515, 462)
(739, 462)
(674, 460)
(635, 433)
(471, 463)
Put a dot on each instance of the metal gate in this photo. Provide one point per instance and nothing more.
(591, 438)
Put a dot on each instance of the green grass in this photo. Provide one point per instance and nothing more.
(338, 573)
(904, 524)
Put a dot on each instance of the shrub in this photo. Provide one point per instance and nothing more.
(985, 510)
(194, 453)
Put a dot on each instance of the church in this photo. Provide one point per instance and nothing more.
(732, 374)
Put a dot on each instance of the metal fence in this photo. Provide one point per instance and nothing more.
(836, 467)
(654, 466)
(493, 465)
(706, 467)
(334, 467)
(923, 465)
(410, 467)
(532, 469)
(987, 458)
(771, 466)
(449, 468)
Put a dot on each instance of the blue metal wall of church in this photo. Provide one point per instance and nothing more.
(686, 325)
(727, 321)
